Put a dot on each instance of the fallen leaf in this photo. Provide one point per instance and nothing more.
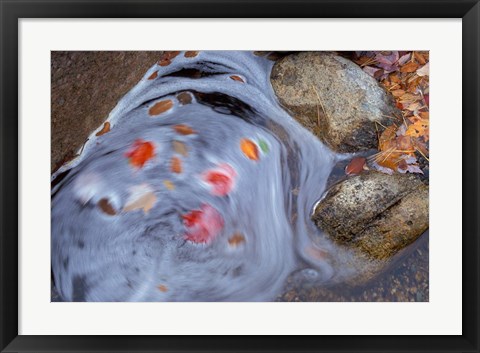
(176, 165)
(162, 288)
(249, 149)
(140, 153)
(183, 129)
(106, 207)
(420, 58)
(153, 76)
(387, 135)
(203, 225)
(184, 98)
(237, 78)
(105, 129)
(409, 67)
(236, 240)
(355, 166)
(169, 185)
(263, 146)
(419, 129)
(141, 197)
(180, 148)
(403, 59)
(398, 93)
(221, 179)
(167, 57)
(424, 70)
(190, 54)
(161, 107)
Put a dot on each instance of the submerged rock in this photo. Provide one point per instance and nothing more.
(375, 213)
(333, 98)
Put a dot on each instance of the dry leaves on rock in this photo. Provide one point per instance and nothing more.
(406, 76)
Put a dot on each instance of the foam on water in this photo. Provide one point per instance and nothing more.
(148, 255)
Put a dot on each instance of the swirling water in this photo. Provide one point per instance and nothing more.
(202, 191)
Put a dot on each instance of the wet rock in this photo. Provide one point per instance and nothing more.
(375, 213)
(333, 98)
(85, 88)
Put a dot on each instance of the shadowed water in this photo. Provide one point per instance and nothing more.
(225, 182)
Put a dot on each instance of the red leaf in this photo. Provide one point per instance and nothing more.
(203, 225)
(221, 179)
(140, 153)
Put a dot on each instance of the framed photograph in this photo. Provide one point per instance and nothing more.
(234, 176)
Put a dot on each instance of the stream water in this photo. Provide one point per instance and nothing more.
(202, 191)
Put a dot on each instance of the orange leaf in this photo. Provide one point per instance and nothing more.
(419, 129)
(184, 129)
(249, 149)
(176, 165)
(140, 153)
(153, 76)
(161, 107)
(105, 129)
(409, 67)
(387, 135)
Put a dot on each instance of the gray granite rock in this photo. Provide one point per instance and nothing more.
(333, 98)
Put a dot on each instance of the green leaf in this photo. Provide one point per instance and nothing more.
(263, 146)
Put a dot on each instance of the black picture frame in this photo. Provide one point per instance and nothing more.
(11, 11)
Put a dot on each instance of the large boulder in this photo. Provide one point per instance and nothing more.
(374, 213)
(333, 98)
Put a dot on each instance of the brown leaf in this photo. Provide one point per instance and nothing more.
(167, 57)
(184, 98)
(421, 60)
(176, 165)
(105, 129)
(236, 240)
(161, 107)
(190, 54)
(141, 197)
(106, 207)
(237, 78)
(183, 129)
(404, 144)
(409, 67)
(387, 135)
(409, 98)
(162, 288)
(153, 76)
(180, 148)
(355, 166)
